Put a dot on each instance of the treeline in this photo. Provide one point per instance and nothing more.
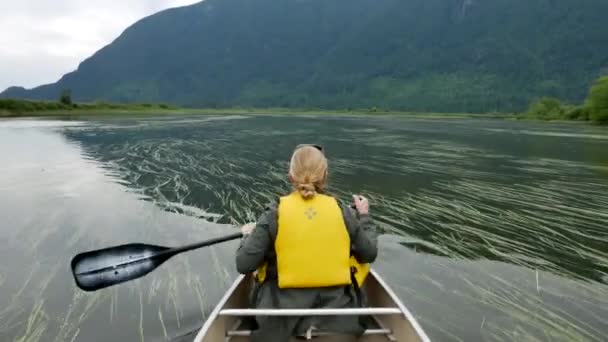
(16, 107)
(25, 106)
(594, 109)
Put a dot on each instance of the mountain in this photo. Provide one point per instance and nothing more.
(428, 55)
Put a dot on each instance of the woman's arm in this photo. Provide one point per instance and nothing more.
(254, 246)
(363, 235)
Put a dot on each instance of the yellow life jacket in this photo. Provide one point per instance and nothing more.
(361, 270)
(312, 245)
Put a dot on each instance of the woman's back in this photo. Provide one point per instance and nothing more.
(303, 249)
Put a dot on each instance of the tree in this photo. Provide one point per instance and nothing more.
(546, 108)
(66, 97)
(597, 102)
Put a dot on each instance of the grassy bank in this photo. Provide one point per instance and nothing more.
(24, 108)
(547, 110)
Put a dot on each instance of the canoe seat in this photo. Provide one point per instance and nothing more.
(313, 334)
(310, 312)
(242, 328)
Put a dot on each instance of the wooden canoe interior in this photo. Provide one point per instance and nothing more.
(397, 327)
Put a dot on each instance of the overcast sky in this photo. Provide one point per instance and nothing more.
(40, 40)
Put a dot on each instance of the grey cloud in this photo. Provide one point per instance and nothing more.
(41, 40)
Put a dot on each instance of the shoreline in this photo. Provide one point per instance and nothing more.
(77, 113)
(110, 112)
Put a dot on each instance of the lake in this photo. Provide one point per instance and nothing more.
(492, 230)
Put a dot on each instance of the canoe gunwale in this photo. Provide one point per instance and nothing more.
(220, 305)
(408, 315)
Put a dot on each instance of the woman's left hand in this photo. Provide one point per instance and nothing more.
(248, 228)
(361, 204)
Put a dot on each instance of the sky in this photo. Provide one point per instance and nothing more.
(41, 40)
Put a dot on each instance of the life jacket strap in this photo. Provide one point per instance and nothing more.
(356, 287)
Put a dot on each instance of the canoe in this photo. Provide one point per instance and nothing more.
(392, 319)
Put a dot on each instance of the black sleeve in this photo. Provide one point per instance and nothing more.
(363, 235)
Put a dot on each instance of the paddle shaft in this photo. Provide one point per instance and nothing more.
(170, 252)
(206, 243)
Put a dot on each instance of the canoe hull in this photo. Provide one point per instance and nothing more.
(401, 326)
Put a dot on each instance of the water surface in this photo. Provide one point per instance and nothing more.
(492, 230)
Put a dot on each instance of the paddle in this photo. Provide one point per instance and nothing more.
(110, 266)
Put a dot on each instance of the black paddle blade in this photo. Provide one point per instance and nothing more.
(106, 267)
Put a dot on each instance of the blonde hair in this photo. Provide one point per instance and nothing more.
(308, 171)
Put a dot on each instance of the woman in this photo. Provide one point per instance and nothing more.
(303, 250)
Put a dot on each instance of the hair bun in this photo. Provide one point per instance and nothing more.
(307, 190)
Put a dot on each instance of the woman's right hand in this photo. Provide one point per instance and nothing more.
(361, 204)
(248, 228)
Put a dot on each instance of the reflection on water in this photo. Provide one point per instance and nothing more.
(499, 228)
